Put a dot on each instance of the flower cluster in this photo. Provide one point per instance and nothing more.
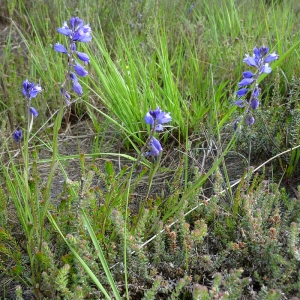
(77, 32)
(30, 90)
(260, 60)
(156, 118)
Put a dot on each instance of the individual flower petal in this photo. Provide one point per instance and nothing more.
(240, 103)
(249, 120)
(242, 92)
(163, 117)
(265, 69)
(65, 30)
(256, 91)
(17, 135)
(149, 119)
(33, 111)
(256, 53)
(60, 48)
(248, 74)
(77, 88)
(250, 61)
(271, 57)
(35, 90)
(235, 124)
(73, 77)
(254, 103)
(73, 46)
(80, 70)
(245, 82)
(83, 57)
(159, 127)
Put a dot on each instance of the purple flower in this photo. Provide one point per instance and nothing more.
(235, 123)
(17, 135)
(259, 59)
(83, 34)
(80, 70)
(271, 57)
(77, 88)
(155, 147)
(248, 74)
(242, 92)
(73, 46)
(66, 95)
(265, 69)
(250, 61)
(245, 82)
(60, 48)
(73, 77)
(65, 30)
(30, 90)
(249, 120)
(254, 103)
(33, 111)
(157, 117)
(78, 31)
(83, 57)
(76, 23)
(256, 91)
(240, 103)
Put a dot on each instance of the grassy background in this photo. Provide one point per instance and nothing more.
(185, 57)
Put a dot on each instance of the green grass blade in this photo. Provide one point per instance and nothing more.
(100, 255)
(84, 265)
